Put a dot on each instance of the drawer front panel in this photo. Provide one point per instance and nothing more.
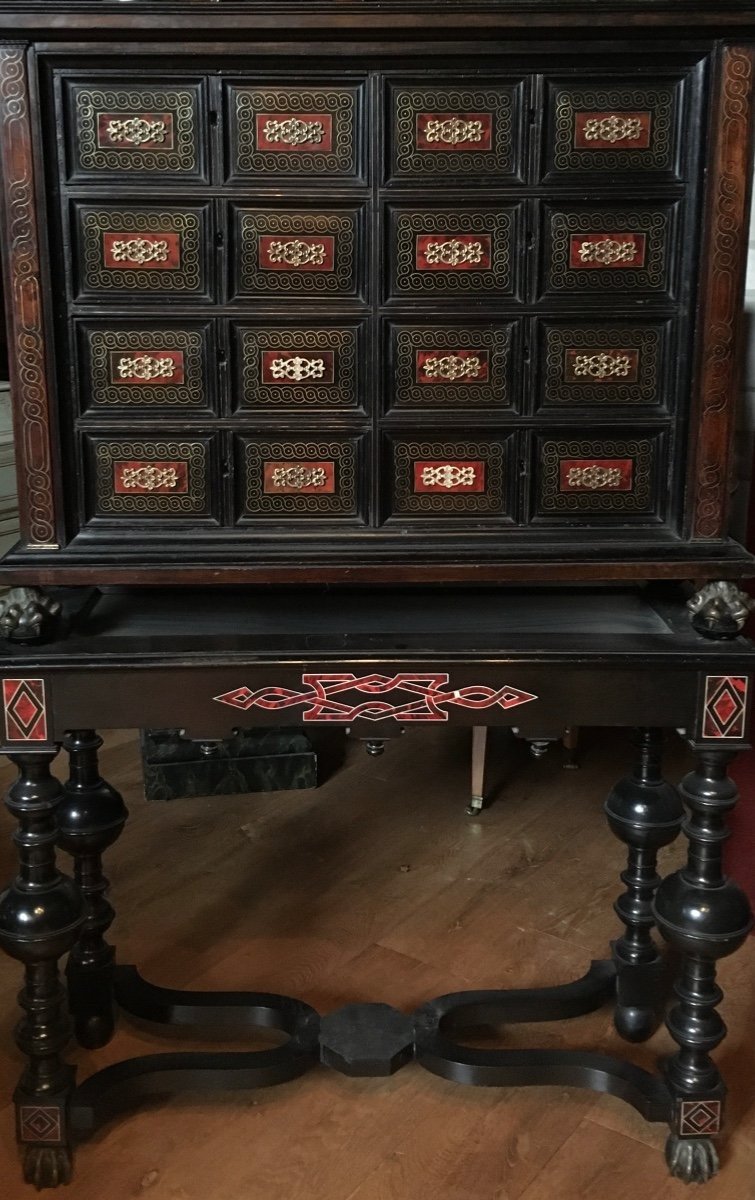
(598, 477)
(609, 126)
(452, 252)
(454, 130)
(140, 252)
(142, 368)
(605, 363)
(299, 367)
(459, 365)
(304, 132)
(135, 129)
(136, 477)
(301, 477)
(456, 478)
(609, 248)
(299, 253)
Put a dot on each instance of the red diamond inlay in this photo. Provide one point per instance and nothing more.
(25, 709)
(725, 707)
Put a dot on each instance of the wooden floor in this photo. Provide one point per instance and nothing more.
(376, 886)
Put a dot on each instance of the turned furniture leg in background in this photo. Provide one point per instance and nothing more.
(90, 818)
(571, 746)
(479, 750)
(41, 914)
(706, 917)
(646, 814)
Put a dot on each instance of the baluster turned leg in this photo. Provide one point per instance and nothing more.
(706, 917)
(646, 814)
(40, 917)
(90, 818)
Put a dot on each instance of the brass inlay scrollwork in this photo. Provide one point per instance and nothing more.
(294, 132)
(297, 368)
(149, 477)
(145, 366)
(453, 253)
(140, 251)
(136, 130)
(607, 251)
(448, 475)
(594, 477)
(296, 253)
(299, 477)
(613, 128)
(452, 367)
(602, 366)
(453, 131)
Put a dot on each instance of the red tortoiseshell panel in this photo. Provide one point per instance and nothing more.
(606, 251)
(282, 253)
(141, 251)
(612, 130)
(596, 474)
(164, 478)
(25, 710)
(147, 368)
(725, 708)
(449, 477)
(451, 366)
(299, 478)
(454, 252)
(460, 131)
(131, 131)
(289, 132)
(289, 367)
(600, 365)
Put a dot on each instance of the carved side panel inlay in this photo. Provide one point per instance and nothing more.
(25, 710)
(454, 131)
(587, 253)
(298, 253)
(24, 301)
(594, 477)
(454, 252)
(603, 364)
(130, 130)
(291, 367)
(145, 367)
(151, 478)
(295, 131)
(621, 128)
(721, 289)
(442, 365)
(448, 479)
(304, 479)
(137, 250)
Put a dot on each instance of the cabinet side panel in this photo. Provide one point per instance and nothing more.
(720, 315)
(26, 346)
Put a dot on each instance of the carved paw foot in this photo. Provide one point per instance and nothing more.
(47, 1166)
(693, 1160)
(635, 1024)
(26, 614)
(720, 609)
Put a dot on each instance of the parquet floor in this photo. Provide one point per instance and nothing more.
(376, 886)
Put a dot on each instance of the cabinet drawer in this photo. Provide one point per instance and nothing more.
(603, 363)
(456, 129)
(290, 253)
(448, 252)
(146, 477)
(139, 368)
(299, 367)
(302, 476)
(132, 129)
(302, 132)
(606, 476)
(135, 252)
(612, 125)
(461, 476)
(601, 248)
(463, 364)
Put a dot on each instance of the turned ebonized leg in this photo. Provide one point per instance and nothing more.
(40, 917)
(706, 917)
(90, 818)
(646, 814)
